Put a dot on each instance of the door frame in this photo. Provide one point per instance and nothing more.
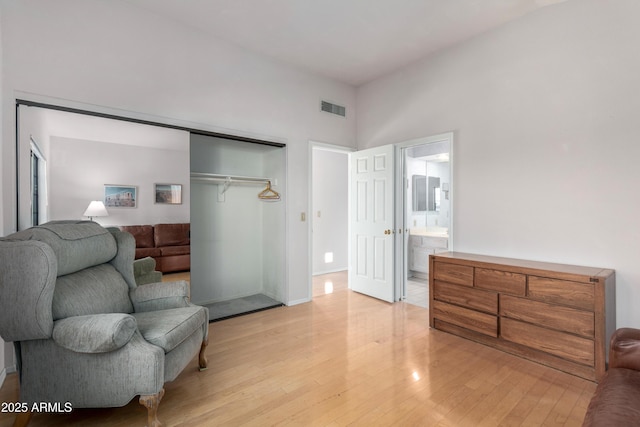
(313, 145)
(400, 204)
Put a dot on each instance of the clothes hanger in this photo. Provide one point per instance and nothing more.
(268, 193)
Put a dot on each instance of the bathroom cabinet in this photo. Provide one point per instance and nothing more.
(420, 247)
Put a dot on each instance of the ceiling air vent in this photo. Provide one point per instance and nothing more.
(333, 108)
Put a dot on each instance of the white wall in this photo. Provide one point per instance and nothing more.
(150, 67)
(544, 112)
(100, 163)
(330, 171)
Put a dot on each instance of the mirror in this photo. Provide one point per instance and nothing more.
(84, 154)
(419, 193)
(433, 194)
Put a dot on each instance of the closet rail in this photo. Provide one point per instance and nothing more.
(227, 180)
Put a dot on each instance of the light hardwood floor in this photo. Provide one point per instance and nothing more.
(347, 359)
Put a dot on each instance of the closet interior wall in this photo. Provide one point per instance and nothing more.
(237, 239)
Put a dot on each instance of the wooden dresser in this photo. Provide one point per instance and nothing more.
(558, 315)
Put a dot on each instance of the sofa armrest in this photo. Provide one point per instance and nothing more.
(625, 349)
(95, 333)
(160, 296)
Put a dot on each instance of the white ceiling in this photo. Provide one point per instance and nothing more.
(353, 41)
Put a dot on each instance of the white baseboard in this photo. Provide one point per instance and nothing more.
(298, 301)
(338, 270)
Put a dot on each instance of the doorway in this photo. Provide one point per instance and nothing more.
(329, 218)
(425, 211)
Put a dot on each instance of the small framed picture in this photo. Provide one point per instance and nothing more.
(169, 194)
(120, 196)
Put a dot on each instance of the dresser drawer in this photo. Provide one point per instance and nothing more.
(566, 346)
(468, 297)
(486, 324)
(501, 281)
(556, 317)
(453, 273)
(573, 294)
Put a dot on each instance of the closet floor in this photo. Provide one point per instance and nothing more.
(232, 308)
(239, 306)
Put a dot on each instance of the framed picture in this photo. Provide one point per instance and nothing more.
(169, 194)
(120, 196)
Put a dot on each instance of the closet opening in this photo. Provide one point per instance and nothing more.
(237, 225)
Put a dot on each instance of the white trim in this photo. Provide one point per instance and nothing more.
(298, 301)
(99, 109)
(337, 270)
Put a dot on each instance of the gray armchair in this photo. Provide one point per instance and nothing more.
(84, 332)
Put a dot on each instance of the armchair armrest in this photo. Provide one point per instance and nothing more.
(95, 333)
(160, 296)
(143, 266)
(625, 349)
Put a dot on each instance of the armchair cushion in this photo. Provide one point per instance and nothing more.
(160, 296)
(98, 333)
(76, 244)
(168, 328)
(94, 290)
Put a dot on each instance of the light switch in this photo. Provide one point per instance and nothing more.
(303, 216)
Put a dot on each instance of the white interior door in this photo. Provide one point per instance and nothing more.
(372, 222)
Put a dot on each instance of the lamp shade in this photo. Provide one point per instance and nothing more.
(96, 208)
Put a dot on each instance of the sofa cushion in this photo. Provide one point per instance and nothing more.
(145, 252)
(171, 234)
(168, 328)
(175, 250)
(168, 264)
(142, 233)
(616, 401)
